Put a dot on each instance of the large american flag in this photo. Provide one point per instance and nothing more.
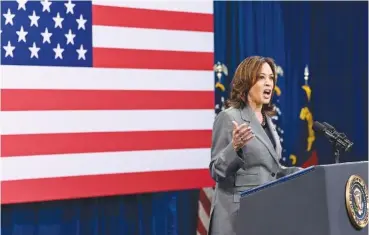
(104, 98)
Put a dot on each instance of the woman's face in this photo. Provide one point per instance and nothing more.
(261, 92)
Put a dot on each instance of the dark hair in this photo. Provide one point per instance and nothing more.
(245, 77)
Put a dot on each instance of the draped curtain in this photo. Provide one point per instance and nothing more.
(172, 213)
(339, 70)
(330, 37)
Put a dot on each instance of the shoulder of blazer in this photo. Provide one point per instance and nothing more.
(232, 112)
(243, 113)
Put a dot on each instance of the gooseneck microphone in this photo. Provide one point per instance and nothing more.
(339, 140)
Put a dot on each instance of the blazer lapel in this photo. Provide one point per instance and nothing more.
(248, 115)
(278, 147)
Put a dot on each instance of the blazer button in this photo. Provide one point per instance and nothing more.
(273, 174)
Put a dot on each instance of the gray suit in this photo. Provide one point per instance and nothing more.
(258, 163)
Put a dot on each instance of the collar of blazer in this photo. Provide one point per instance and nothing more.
(248, 115)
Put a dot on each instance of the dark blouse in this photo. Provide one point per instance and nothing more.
(268, 131)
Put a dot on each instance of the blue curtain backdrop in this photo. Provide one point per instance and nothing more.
(171, 213)
(329, 37)
(297, 20)
(339, 68)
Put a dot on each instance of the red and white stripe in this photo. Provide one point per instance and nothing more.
(205, 199)
(139, 121)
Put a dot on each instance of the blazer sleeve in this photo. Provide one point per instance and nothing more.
(288, 170)
(225, 161)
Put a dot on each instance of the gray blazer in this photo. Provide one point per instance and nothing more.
(257, 164)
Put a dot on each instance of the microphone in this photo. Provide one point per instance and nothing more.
(333, 135)
(339, 140)
(329, 126)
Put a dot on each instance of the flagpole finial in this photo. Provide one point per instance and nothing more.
(306, 74)
(219, 70)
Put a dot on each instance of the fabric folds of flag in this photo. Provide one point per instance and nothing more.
(105, 97)
(305, 155)
(204, 207)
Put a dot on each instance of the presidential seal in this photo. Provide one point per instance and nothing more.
(357, 201)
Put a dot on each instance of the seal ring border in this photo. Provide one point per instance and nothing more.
(348, 208)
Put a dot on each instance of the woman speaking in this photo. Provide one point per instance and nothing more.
(245, 145)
